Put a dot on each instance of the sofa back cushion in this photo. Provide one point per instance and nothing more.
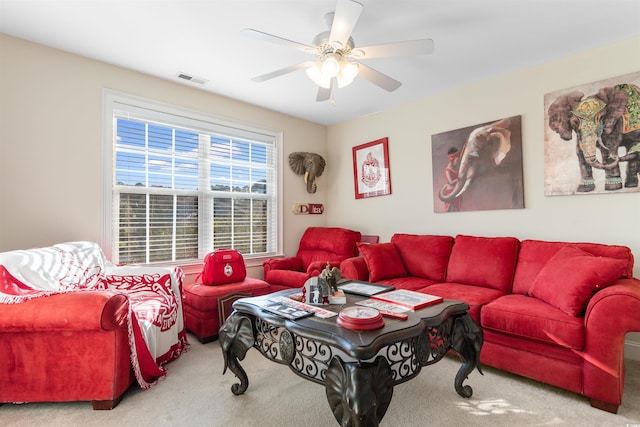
(535, 254)
(383, 261)
(424, 256)
(483, 261)
(327, 244)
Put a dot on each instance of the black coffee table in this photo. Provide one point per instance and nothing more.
(358, 369)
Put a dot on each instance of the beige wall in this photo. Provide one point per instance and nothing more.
(51, 148)
(605, 218)
(51, 166)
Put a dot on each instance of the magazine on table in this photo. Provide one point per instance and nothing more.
(410, 299)
(363, 288)
(286, 311)
(318, 311)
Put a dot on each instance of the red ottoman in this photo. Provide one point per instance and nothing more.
(201, 304)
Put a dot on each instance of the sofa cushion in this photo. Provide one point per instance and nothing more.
(572, 276)
(205, 298)
(327, 244)
(532, 319)
(383, 261)
(409, 283)
(424, 256)
(475, 296)
(534, 255)
(483, 261)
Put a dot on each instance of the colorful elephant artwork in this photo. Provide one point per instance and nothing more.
(478, 167)
(592, 138)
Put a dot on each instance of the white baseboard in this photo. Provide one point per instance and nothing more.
(632, 350)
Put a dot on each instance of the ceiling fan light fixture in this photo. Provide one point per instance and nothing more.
(348, 72)
(317, 76)
(331, 65)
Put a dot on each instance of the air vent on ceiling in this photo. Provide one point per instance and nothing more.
(192, 79)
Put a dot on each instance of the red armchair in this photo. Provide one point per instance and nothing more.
(318, 246)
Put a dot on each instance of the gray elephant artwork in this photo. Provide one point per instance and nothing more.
(311, 165)
(478, 167)
(592, 138)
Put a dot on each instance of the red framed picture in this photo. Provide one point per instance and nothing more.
(371, 172)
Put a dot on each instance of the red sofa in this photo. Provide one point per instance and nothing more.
(318, 245)
(556, 312)
(74, 327)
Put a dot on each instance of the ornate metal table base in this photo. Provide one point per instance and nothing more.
(358, 391)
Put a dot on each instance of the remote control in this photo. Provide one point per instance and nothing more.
(399, 316)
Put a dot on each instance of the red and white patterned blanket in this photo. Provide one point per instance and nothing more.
(156, 322)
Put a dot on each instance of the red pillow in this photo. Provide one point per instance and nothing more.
(383, 261)
(572, 276)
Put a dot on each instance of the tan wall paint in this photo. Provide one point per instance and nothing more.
(51, 147)
(50, 152)
(409, 128)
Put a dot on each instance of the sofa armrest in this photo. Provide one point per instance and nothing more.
(354, 268)
(176, 273)
(610, 315)
(616, 306)
(71, 311)
(290, 263)
(148, 274)
(315, 268)
(284, 273)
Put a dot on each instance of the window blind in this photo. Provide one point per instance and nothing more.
(183, 186)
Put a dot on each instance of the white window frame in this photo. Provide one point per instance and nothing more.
(113, 100)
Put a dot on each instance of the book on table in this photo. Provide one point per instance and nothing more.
(363, 288)
(383, 306)
(410, 299)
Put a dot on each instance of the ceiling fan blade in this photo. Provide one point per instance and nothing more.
(409, 47)
(344, 20)
(378, 78)
(250, 32)
(324, 93)
(282, 71)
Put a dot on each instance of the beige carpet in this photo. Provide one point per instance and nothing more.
(196, 393)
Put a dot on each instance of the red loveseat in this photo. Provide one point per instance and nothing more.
(556, 312)
(318, 246)
(74, 327)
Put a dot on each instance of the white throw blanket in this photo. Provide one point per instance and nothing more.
(156, 322)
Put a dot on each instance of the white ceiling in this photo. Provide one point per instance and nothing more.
(474, 40)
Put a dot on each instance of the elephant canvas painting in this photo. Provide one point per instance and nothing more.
(592, 138)
(478, 167)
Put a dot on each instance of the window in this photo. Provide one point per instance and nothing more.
(181, 184)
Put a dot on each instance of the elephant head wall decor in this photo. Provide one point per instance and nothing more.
(487, 155)
(605, 121)
(311, 165)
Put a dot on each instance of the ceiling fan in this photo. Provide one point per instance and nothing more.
(337, 58)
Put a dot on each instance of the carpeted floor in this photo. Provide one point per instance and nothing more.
(196, 393)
